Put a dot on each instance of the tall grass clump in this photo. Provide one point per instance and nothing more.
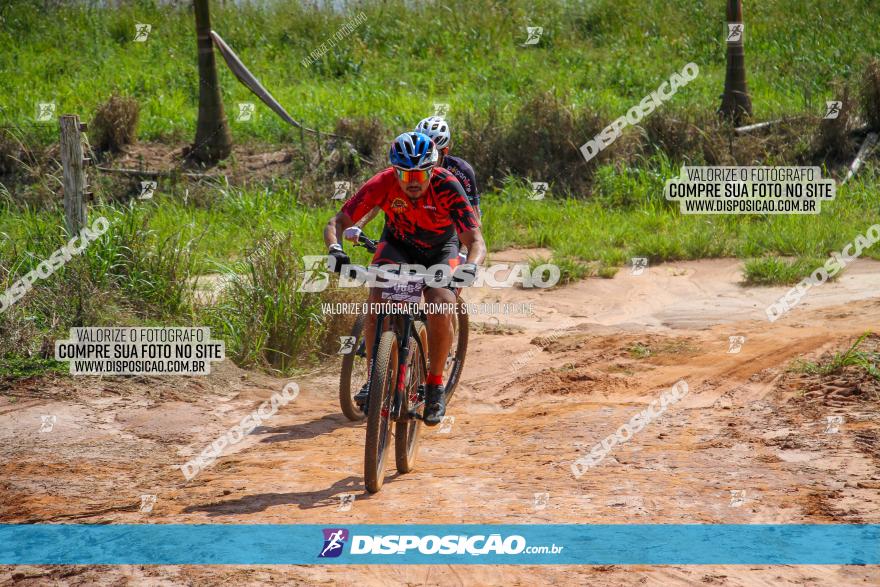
(540, 141)
(115, 123)
(834, 143)
(264, 318)
(129, 275)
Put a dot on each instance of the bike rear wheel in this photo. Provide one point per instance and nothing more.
(379, 414)
(354, 373)
(406, 431)
(458, 352)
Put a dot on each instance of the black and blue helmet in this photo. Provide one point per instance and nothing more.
(413, 150)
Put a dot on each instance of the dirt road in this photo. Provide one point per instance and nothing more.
(750, 443)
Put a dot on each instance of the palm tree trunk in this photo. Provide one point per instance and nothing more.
(213, 141)
(735, 103)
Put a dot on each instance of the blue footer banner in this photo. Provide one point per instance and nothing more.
(525, 544)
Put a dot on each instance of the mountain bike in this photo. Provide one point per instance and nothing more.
(355, 370)
(398, 372)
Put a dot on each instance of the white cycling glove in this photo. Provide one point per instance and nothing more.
(352, 233)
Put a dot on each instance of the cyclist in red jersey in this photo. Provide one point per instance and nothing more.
(425, 207)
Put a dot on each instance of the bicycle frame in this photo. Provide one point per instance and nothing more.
(402, 326)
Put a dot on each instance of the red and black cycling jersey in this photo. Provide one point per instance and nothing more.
(426, 222)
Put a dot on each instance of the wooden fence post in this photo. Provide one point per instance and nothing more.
(74, 173)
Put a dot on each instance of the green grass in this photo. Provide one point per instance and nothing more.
(854, 356)
(586, 237)
(407, 56)
(639, 351)
(17, 367)
(777, 271)
(140, 271)
(596, 57)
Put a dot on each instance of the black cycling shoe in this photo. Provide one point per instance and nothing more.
(361, 397)
(435, 404)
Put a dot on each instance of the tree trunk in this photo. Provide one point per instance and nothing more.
(736, 105)
(213, 141)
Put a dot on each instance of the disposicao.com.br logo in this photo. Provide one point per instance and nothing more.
(452, 544)
(334, 541)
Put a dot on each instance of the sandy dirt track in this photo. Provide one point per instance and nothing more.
(592, 354)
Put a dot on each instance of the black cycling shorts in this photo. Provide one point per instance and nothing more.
(396, 252)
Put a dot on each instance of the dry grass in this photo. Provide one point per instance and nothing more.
(115, 124)
(870, 94)
(833, 143)
(680, 135)
(541, 143)
(703, 138)
(367, 146)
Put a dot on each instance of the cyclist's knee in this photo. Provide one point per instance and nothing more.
(439, 295)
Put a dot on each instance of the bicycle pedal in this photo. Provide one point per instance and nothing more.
(415, 416)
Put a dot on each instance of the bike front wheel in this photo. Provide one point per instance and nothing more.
(406, 431)
(379, 411)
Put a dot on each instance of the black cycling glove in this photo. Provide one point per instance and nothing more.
(336, 258)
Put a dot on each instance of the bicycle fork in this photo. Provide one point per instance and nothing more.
(404, 356)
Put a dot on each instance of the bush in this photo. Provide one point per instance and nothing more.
(367, 142)
(115, 124)
(833, 143)
(266, 321)
(541, 142)
(680, 135)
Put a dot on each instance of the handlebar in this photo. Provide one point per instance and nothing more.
(362, 272)
(367, 243)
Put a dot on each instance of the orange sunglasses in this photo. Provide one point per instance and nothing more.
(408, 175)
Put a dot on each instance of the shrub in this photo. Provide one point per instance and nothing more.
(541, 142)
(833, 143)
(266, 321)
(115, 124)
(367, 142)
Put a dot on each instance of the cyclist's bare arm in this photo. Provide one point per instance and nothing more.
(476, 246)
(366, 219)
(334, 228)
